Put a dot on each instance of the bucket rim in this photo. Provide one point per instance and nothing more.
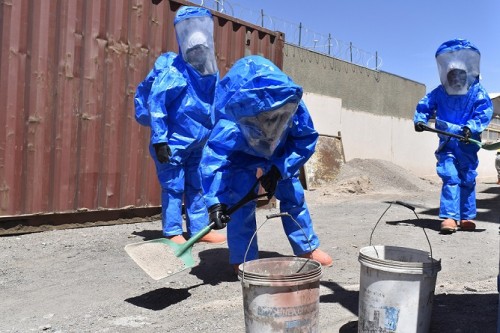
(314, 272)
(431, 267)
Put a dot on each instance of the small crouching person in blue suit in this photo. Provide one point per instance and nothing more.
(263, 124)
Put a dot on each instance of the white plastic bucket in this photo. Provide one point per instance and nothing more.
(396, 289)
(281, 294)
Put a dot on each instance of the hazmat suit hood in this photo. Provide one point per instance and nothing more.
(458, 65)
(194, 30)
(262, 100)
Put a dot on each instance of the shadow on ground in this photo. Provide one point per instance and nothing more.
(161, 298)
(148, 234)
(431, 224)
(348, 299)
(212, 269)
(454, 313)
(488, 208)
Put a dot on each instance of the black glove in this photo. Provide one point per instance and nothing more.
(466, 133)
(156, 1)
(218, 214)
(163, 152)
(419, 127)
(270, 180)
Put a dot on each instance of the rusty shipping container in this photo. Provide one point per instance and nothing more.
(68, 73)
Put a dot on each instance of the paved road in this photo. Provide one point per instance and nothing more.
(81, 280)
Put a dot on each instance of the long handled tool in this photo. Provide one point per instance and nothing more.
(487, 146)
(161, 258)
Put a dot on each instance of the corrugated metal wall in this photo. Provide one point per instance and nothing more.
(68, 74)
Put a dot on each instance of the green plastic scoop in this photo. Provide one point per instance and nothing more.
(161, 258)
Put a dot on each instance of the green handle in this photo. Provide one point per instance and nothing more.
(246, 199)
(193, 240)
(430, 129)
(480, 144)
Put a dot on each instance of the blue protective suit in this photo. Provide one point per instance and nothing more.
(176, 102)
(229, 164)
(457, 161)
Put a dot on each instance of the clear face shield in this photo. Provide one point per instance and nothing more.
(196, 42)
(265, 131)
(458, 70)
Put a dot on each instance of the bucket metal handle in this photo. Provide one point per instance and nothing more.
(410, 207)
(268, 217)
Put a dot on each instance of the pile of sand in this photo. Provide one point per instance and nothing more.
(360, 176)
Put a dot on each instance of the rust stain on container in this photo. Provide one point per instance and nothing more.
(326, 162)
(68, 73)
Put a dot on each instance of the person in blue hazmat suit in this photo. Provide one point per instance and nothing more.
(176, 101)
(460, 105)
(263, 124)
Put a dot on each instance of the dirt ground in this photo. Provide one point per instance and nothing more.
(82, 280)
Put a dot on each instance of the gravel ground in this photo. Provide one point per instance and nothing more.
(81, 280)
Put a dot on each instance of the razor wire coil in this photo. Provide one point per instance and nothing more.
(299, 35)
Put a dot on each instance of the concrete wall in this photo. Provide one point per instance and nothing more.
(372, 110)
